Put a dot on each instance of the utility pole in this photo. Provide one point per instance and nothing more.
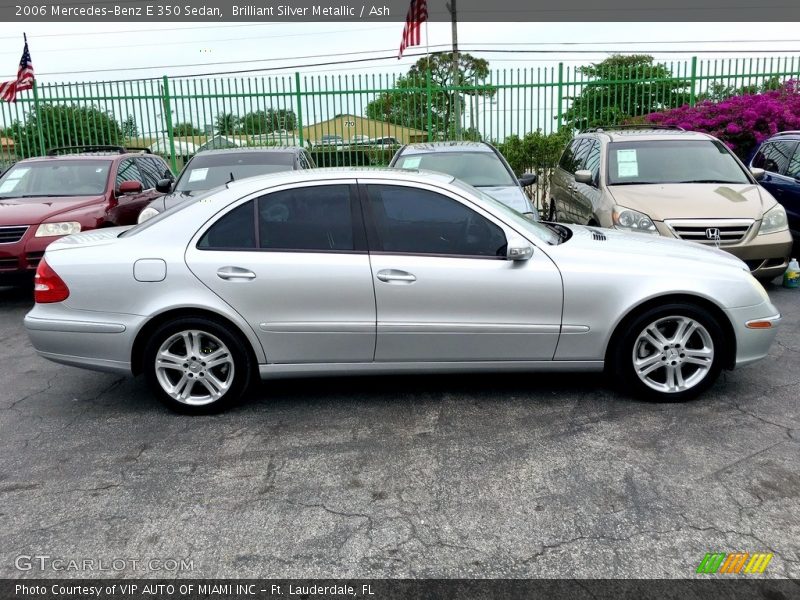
(451, 6)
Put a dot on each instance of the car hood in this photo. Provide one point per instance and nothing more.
(647, 246)
(694, 200)
(510, 195)
(32, 211)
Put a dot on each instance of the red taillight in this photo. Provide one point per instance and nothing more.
(48, 286)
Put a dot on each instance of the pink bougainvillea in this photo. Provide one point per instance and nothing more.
(742, 122)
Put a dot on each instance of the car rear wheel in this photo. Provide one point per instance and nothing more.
(670, 353)
(196, 366)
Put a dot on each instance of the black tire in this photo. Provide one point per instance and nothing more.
(553, 213)
(621, 366)
(211, 336)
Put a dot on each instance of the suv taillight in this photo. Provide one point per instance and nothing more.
(48, 286)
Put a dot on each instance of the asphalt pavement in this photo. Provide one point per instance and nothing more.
(436, 476)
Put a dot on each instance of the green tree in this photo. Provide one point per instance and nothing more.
(622, 87)
(267, 121)
(226, 124)
(407, 104)
(65, 125)
(129, 127)
(718, 91)
(185, 129)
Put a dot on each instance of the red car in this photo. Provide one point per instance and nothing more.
(42, 199)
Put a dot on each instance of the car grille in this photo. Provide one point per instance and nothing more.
(8, 263)
(731, 231)
(34, 258)
(9, 235)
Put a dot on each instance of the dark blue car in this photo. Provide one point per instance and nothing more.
(779, 156)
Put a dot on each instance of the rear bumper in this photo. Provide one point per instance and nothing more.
(753, 344)
(90, 340)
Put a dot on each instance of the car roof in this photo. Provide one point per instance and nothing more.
(647, 134)
(790, 135)
(326, 174)
(86, 156)
(247, 149)
(447, 147)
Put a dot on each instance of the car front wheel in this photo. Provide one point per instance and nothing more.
(196, 366)
(670, 353)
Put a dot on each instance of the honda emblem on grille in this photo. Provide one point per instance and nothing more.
(712, 233)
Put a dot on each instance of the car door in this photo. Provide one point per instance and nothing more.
(294, 263)
(791, 196)
(129, 205)
(586, 195)
(443, 289)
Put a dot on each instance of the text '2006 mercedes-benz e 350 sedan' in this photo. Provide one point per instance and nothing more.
(381, 271)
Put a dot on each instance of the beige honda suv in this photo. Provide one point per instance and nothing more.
(675, 183)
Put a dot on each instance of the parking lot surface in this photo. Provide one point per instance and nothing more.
(435, 476)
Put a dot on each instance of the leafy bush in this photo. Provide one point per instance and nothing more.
(742, 122)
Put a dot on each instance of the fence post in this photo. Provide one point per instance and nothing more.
(299, 107)
(429, 102)
(692, 92)
(168, 119)
(42, 149)
(560, 93)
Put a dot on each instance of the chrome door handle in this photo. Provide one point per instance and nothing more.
(230, 273)
(389, 275)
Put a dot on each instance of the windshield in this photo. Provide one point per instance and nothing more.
(479, 169)
(55, 178)
(540, 231)
(204, 172)
(672, 161)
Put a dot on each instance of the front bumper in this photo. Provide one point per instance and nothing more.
(86, 339)
(22, 257)
(753, 344)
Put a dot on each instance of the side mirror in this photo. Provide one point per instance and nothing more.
(527, 179)
(129, 187)
(584, 176)
(757, 173)
(519, 249)
(164, 186)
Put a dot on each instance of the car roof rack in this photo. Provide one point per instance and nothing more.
(623, 127)
(790, 132)
(86, 149)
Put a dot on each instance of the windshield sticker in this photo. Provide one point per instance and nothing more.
(627, 163)
(198, 175)
(8, 185)
(412, 162)
(18, 173)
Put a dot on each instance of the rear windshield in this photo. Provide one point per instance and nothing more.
(62, 177)
(204, 172)
(479, 169)
(672, 161)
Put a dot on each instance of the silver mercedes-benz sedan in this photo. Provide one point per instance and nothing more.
(380, 271)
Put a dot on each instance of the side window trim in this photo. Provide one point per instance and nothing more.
(373, 238)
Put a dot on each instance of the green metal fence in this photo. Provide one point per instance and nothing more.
(361, 118)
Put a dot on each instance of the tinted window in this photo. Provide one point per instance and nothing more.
(415, 221)
(774, 156)
(308, 218)
(206, 171)
(234, 230)
(480, 169)
(593, 160)
(581, 153)
(128, 171)
(568, 160)
(673, 161)
(152, 169)
(793, 170)
(61, 177)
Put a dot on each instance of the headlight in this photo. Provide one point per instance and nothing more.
(147, 213)
(774, 220)
(632, 220)
(54, 229)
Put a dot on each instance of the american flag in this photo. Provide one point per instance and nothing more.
(417, 15)
(24, 81)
